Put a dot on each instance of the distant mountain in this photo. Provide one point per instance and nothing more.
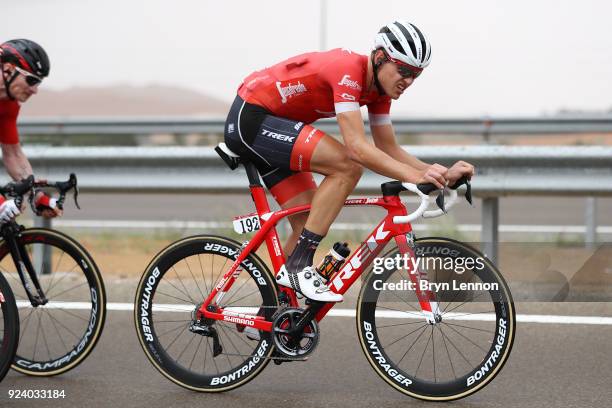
(119, 100)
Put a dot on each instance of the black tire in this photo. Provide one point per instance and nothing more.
(58, 336)
(9, 327)
(450, 359)
(174, 284)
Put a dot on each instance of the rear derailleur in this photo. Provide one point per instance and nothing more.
(204, 327)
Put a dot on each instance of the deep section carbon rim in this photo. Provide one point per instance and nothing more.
(9, 327)
(455, 356)
(174, 285)
(58, 336)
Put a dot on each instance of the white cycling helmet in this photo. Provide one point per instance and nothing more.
(404, 42)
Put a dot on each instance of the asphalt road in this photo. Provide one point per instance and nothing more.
(551, 365)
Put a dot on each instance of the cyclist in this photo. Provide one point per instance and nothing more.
(269, 124)
(24, 65)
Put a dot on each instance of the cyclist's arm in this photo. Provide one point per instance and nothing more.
(15, 161)
(363, 152)
(384, 139)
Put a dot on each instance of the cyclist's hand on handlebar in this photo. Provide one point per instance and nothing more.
(47, 206)
(458, 170)
(435, 174)
(8, 210)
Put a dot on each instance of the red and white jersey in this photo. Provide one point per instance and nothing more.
(316, 85)
(9, 110)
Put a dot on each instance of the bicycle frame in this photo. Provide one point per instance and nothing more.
(342, 280)
(10, 233)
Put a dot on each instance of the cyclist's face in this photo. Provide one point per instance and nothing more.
(19, 88)
(392, 82)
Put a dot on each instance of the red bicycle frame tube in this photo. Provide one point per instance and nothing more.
(341, 281)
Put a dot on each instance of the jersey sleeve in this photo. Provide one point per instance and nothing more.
(344, 76)
(378, 112)
(8, 123)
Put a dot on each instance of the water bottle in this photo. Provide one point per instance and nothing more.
(333, 260)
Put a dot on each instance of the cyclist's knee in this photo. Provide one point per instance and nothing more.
(350, 169)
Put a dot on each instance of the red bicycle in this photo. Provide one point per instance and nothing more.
(432, 323)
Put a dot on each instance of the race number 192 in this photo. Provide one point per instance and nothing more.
(246, 223)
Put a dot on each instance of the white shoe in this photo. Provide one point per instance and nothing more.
(252, 333)
(309, 283)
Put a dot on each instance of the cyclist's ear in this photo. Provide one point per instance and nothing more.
(379, 56)
(8, 69)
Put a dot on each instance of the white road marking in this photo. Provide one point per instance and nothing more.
(521, 318)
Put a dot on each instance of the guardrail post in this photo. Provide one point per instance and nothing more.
(486, 134)
(42, 253)
(490, 227)
(590, 221)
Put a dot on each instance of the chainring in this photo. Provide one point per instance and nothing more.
(292, 346)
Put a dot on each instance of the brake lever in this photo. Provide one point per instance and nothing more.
(468, 188)
(468, 192)
(73, 181)
(440, 200)
(64, 187)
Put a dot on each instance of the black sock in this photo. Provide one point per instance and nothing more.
(303, 254)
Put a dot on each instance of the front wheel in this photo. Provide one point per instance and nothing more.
(460, 351)
(217, 355)
(57, 336)
(9, 327)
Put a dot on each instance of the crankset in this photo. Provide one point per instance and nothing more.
(294, 337)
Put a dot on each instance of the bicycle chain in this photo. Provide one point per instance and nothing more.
(277, 358)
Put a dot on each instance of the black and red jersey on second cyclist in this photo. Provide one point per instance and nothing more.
(9, 110)
(269, 122)
(313, 86)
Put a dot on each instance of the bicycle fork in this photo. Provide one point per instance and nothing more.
(427, 299)
(24, 266)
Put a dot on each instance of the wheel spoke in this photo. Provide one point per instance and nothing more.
(183, 285)
(194, 279)
(462, 335)
(406, 335)
(424, 327)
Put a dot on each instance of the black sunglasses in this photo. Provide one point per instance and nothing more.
(407, 72)
(31, 79)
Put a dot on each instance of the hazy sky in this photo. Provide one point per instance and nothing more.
(489, 57)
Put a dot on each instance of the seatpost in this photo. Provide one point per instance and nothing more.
(252, 174)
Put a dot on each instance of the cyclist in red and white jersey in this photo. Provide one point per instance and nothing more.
(24, 65)
(269, 124)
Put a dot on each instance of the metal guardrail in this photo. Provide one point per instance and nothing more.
(186, 125)
(502, 170)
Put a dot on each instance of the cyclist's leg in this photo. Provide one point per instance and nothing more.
(291, 189)
(297, 221)
(282, 150)
(289, 146)
(342, 174)
(262, 143)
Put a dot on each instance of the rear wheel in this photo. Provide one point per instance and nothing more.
(216, 356)
(471, 338)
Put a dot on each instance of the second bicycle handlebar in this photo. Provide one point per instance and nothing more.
(17, 189)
